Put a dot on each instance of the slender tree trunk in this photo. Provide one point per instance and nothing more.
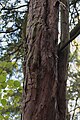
(63, 61)
(40, 93)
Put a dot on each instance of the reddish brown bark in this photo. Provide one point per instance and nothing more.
(40, 86)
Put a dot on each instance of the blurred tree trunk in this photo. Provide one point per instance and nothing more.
(63, 61)
(46, 67)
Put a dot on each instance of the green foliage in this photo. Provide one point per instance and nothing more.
(73, 86)
(10, 92)
(11, 55)
(3, 102)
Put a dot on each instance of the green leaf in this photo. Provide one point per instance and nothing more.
(0, 87)
(10, 83)
(20, 89)
(6, 96)
(16, 83)
(4, 84)
(7, 113)
(2, 78)
(7, 117)
(1, 107)
(1, 117)
(4, 90)
(10, 92)
(3, 102)
(17, 99)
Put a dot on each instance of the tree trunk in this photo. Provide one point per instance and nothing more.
(63, 61)
(40, 93)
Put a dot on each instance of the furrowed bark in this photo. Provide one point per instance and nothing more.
(39, 94)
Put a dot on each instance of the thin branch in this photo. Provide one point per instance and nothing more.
(75, 107)
(73, 2)
(15, 50)
(1, 4)
(73, 34)
(9, 31)
(14, 7)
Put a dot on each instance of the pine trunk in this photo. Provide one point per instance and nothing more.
(42, 99)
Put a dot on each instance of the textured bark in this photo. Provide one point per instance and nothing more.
(40, 94)
(63, 62)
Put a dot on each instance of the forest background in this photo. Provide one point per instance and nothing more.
(12, 14)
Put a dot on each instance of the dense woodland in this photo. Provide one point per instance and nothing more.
(13, 20)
